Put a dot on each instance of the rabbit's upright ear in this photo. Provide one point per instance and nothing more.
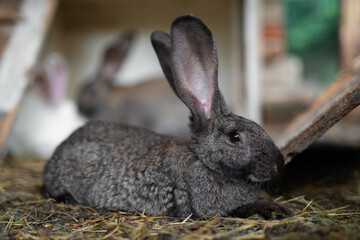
(57, 73)
(114, 56)
(162, 44)
(194, 67)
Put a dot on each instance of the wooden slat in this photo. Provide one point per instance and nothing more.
(22, 50)
(5, 124)
(252, 62)
(335, 102)
(20, 54)
(349, 32)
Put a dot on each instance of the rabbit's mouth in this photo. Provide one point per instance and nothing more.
(265, 166)
(262, 173)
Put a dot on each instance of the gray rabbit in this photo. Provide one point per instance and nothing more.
(93, 97)
(219, 171)
(150, 104)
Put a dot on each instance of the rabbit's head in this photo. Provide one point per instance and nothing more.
(226, 143)
(92, 95)
(51, 79)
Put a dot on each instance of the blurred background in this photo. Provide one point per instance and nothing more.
(66, 62)
(275, 56)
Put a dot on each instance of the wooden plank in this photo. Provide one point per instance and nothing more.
(349, 32)
(22, 50)
(237, 83)
(335, 102)
(20, 54)
(252, 62)
(5, 124)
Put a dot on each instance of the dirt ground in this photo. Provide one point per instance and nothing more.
(322, 186)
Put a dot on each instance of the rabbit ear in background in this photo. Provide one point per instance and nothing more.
(57, 77)
(114, 56)
(162, 44)
(194, 67)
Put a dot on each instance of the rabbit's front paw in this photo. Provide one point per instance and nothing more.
(266, 209)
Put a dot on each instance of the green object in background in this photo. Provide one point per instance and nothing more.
(312, 35)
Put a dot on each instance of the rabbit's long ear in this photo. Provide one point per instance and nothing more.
(114, 56)
(162, 44)
(57, 73)
(194, 67)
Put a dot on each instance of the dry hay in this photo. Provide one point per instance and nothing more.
(333, 213)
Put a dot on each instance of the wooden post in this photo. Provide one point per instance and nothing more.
(5, 124)
(237, 86)
(19, 55)
(252, 62)
(335, 102)
(349, 32)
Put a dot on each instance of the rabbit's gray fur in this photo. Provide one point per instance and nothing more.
(109, 165)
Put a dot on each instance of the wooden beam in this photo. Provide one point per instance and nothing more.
(252, 61)
(333, 103)
(20, 54)
(349, 32)
(5, 125)
(237, 83)
(22, 50)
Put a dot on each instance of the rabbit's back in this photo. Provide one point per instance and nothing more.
(108, 165)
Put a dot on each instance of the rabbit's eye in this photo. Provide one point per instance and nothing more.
(235, 137)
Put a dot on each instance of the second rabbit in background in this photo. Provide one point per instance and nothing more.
(46, 116)
(150, 104)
